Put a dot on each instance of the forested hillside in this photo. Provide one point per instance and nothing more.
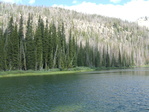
(47, 37)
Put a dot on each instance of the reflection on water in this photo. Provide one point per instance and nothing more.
(100, 91)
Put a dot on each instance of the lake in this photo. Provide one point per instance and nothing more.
(123, 90)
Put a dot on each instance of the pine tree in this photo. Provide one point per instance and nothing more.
(42, 29)
(15, 49)
(1, 50)
(45, 46)
(55, 46)
(103, 58)
(22, 57)
(92, 56)
(81, 55)
(38, 46)
(107, 58)
(132, 59)
(124, 60)
(113, 61)
(59, 43)
(70, 51)
(63, 47)
(97, 59)
(30, 45)
(50, 46)
(119, 59)
(8, 45)
(87, 58)
(74, 52)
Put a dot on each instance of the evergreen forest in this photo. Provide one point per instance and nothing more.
(37, 38)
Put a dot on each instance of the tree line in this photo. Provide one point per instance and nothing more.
(46, 47)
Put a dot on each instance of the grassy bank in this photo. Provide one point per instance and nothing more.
(144, 66)
(110, 68)
(20, 73)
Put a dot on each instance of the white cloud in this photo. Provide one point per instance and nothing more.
(130, 11)
(18, 1)
(74, 2)
(12, 1)
(31, 1)
(115, 1)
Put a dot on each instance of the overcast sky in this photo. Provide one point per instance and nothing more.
(129, 10)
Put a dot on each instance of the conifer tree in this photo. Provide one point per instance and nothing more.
(80, 58)
(92, 56)
(15, 49)
(8, 45)
(1, 50)
(38, 45)
(103, 58)
(30, 45)
(132, 58)
(50, 48)
(54, 45)
(113, 61)
(97, 59)
(124, 60)
(5, 50)
(88, 54)
(42, 29)
(59, 43)
(45, 44)
(74, 52)
(22, 57)
(119, 59)
(107, 58)
(70, 51)
(63, 47)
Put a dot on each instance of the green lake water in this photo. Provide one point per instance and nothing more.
(125, 90)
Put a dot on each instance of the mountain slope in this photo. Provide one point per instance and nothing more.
(112, 37)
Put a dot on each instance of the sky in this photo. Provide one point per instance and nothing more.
(129, 10)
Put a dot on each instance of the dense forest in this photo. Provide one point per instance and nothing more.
(46, 48)
(36, 38)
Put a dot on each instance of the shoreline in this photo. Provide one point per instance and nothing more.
(21, 73)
